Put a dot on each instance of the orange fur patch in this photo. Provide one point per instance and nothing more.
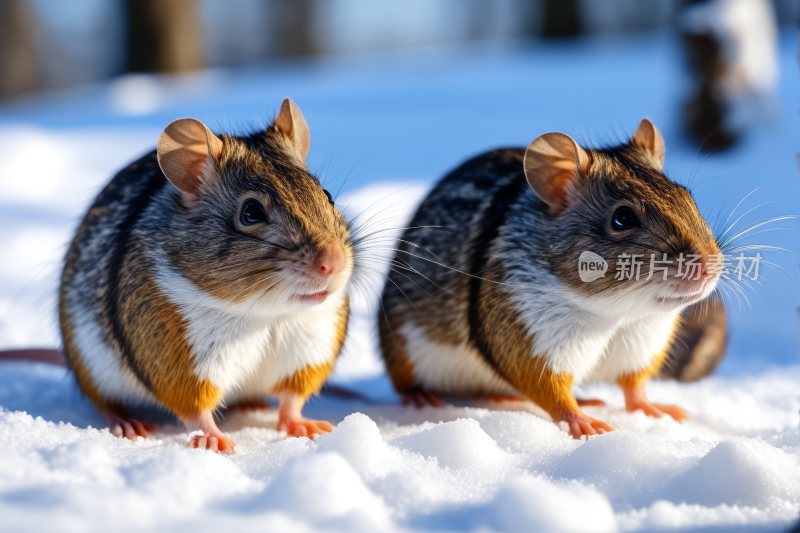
(634, 379)
(161, 350)
(305, 382)
(512, 349)
(399, 366)
(550, 391)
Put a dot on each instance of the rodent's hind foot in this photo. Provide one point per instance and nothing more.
(290, 418)
(579, 425)
(132, 429)
(421, 398)
(636, 399)
(673, 410)
(205, 435)
(304, 427)
(657, 410)
(125, 427)
(218, 443)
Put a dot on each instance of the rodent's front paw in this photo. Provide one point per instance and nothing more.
(579, 425)
(218, 443)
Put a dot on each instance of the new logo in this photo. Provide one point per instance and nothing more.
(591, 266)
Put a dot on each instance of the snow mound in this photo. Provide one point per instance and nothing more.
(534, 504)
(739, 471)
(456, 445)
(386, 467)
(324, 489)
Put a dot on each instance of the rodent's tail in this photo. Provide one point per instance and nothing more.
(52, 357)
(344, 393)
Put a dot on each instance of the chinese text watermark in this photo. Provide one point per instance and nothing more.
(636, 266)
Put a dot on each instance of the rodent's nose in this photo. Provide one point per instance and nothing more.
(710, 263)
(330, 260)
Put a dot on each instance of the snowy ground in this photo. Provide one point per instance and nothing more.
(734, 466)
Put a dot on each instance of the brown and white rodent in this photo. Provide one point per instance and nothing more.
(213, 270)
(488, 300)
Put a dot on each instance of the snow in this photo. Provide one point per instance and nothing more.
(468, 466)
(386, 467)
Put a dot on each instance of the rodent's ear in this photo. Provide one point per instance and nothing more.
(649, 140)
(186, 153)
(551, 162)
(292, 125)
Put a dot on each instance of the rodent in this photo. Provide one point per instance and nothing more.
(211, 271)
(488, 301)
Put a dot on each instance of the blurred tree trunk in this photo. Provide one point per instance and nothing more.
(561, 18)
(294, 27)
(705, 110)
(18, 58)
(164, 36)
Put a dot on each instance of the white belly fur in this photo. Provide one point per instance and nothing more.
(237, 349)
(305, 339)
(634, 346)
(458, 370)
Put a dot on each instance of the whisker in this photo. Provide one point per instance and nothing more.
(745, 198)
(449, 267)
(758, 225)
(744, 215)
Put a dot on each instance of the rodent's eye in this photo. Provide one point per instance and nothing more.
(625, 218)
(330, 198)
(253, 213)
